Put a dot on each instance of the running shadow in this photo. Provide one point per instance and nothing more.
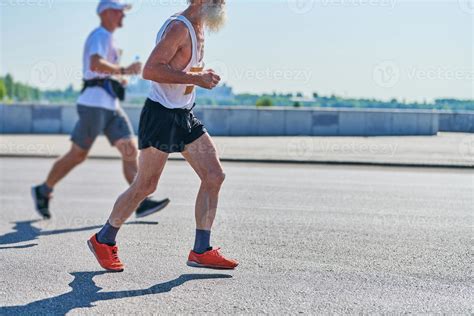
(85, 292)
(19, 247)
(25, 231)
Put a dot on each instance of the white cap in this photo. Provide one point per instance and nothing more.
(112, 4)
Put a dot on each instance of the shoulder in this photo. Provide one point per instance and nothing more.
(99, 34)
(177, 30)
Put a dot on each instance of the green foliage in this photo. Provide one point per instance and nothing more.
(19, 91)
(264, 101)
(3, 89)
(9, 85)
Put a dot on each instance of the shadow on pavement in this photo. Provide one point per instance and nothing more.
(25, 231)
(19, 247)
(85, 292)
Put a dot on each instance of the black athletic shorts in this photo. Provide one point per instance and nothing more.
(168, 130)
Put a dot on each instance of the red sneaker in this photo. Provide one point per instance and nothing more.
(106, 255)
(211, 259)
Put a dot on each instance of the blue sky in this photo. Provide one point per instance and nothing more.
(412, 50)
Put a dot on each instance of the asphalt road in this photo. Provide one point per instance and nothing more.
(310, 239)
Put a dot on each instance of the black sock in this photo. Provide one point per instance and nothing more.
(107, 234)
(202, 241)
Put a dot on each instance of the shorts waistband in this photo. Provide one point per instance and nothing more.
(161, 106)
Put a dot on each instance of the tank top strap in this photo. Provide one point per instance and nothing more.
(192, 32)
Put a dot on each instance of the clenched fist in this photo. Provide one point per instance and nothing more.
(208, 79)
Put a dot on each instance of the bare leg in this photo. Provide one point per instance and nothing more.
(128, 150)
(152, 162)
(65, 164)
(203, 158)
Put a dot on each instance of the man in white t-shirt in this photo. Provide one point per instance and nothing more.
(99, 109)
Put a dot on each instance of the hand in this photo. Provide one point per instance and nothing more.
(208, 79)
(134, 69)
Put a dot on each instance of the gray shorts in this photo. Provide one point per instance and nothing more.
(93, 121)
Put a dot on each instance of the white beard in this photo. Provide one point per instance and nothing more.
(214, 17)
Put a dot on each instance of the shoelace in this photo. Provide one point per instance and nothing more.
(115, 254)
(217, 252)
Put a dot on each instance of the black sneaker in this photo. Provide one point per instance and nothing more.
(41, 202)
(148, 207)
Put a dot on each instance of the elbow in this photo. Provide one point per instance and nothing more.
(93, 67)
(146, 74)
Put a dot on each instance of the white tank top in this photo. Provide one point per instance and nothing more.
(178, 96)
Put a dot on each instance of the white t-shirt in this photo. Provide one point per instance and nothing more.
(100, 42)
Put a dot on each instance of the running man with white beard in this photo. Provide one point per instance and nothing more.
(167, 125)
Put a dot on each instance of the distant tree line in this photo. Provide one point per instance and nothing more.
(11, 90)
(333, 101)
(16, 91)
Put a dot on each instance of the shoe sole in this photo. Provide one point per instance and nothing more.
(35, 198)
(153, 210)
(198, 265)
(91, 248)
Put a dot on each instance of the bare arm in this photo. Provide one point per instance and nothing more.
(158, 68)
(100, 65)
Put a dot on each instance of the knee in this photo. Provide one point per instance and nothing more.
(128, 150)
(144, 188)
(78, 157)
(214, 179)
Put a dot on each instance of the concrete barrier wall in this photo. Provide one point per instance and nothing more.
(231, 121)
(462, 122)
